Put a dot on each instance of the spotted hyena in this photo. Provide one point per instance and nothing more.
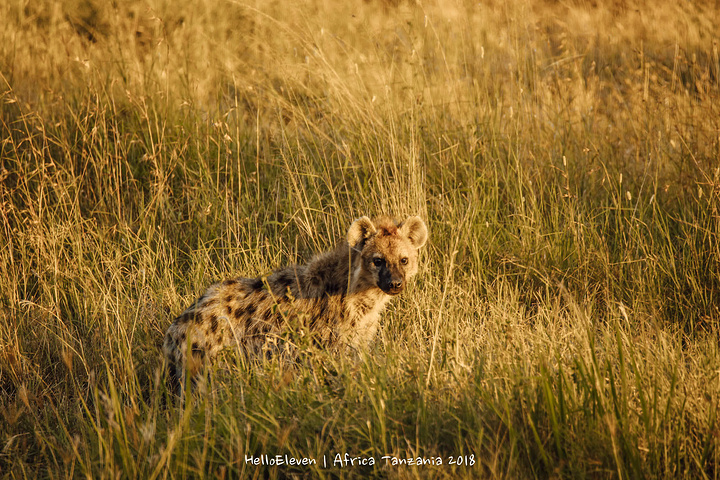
(337, 297)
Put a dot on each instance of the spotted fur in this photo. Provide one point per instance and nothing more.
(337, 297)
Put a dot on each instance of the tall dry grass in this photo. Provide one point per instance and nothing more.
(566, 157)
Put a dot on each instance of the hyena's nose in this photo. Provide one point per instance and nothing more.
(396, 285)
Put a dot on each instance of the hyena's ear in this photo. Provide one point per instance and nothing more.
(416, 230)
(361, 229)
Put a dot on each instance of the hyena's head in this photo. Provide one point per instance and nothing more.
(388, 250)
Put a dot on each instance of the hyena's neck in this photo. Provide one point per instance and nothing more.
(337, 272)
(362, 317)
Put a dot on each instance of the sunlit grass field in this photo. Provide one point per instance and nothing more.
(565, 321)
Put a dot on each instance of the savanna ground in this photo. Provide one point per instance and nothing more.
(565, 155)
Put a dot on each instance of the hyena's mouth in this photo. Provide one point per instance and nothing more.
(392, 290)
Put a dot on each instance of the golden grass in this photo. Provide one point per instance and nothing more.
(564, 154)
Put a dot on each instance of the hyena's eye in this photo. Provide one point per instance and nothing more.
(378, 262)
(403, 261)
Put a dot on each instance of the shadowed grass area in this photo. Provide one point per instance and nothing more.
(565, 157)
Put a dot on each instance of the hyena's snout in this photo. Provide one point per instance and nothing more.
(391, 282)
